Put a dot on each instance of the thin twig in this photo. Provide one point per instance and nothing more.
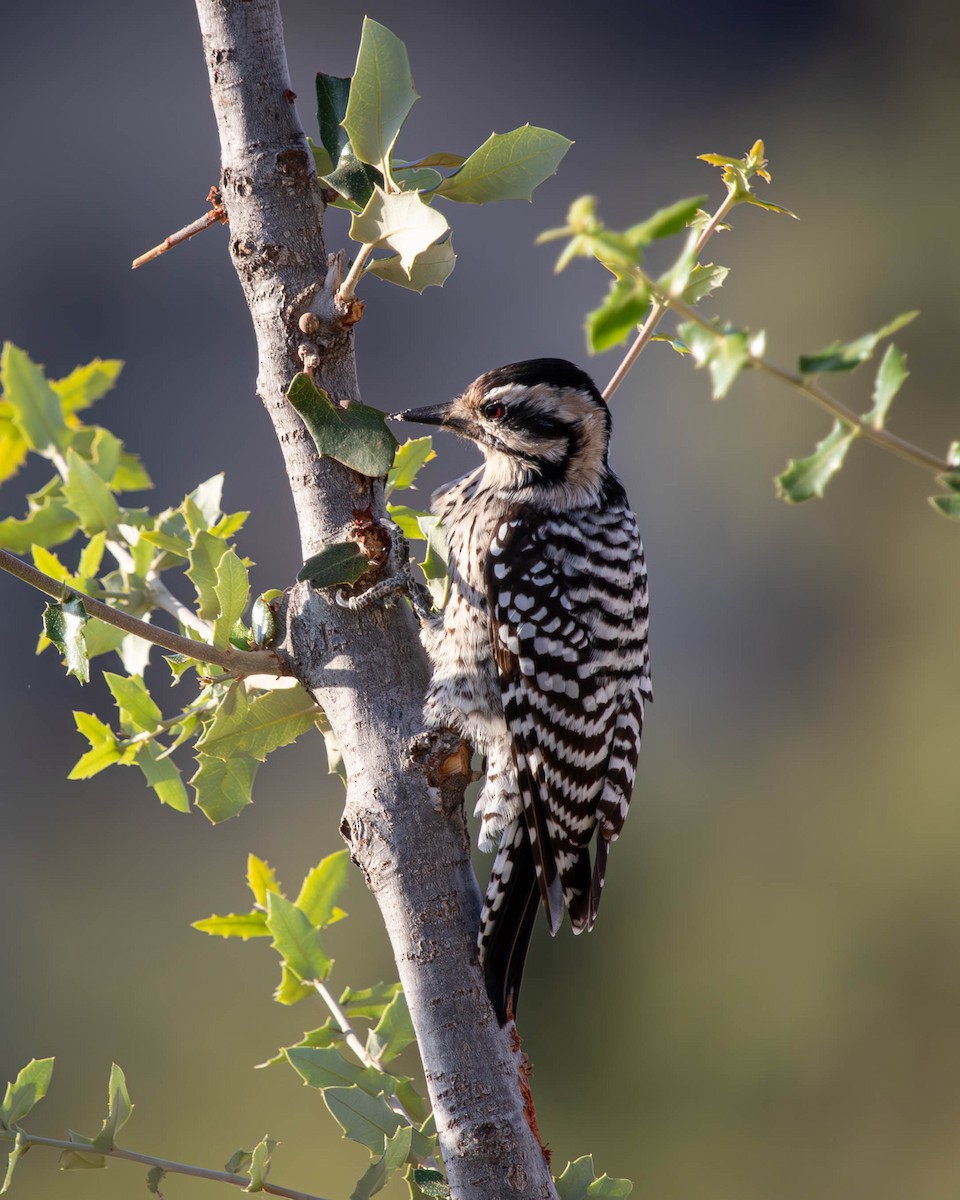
(349, 1033)
(878, 435)
(165, 1164)
(658, 309)
(217, 213)
(237, 662)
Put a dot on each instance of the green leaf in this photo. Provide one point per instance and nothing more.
(441, 159)
(623, 308)
(154, 1179)
(20, 1147)
(13, 449)
(434, 565)
(290, 990)
(46, 561)
(261, 879)
(104, 750)
(333, 92)
(343, 562)
(137, 708)
(167, 542)
(416, 179)
(891, 375)
(36, 408)
(296, 940)
(395, 1154)
(725, 352)
(88, 496)
(355, 436)
(92, 556)
(665, 222)
(203, 504)
(83, 1158)
(87, 384)
(101, 449)
(393, 1032)
(323, 1066)
(322, 888)
(255, 728)
(336, 162)
(845, 356)
(205, 555)
(260, 1164)
(399, 221)
(774, 208)
(327, 1035)
(238, 1161)
(407, 461)
(408, 519)
(949, 506)
(431, 1183)
(131, 475)
(579, 1181)
(232, 589)
(368, 1003)
(163, 775)
(363, 1118)
(805, 478)
(63, 625)
(27, 1090)
(49, 523)
(241, 925)
(102, 638)
(704, 279)
(430, 268)
(508, 166)
(223, 787)
(118, 1112)
(416, 1106)
(381, 94)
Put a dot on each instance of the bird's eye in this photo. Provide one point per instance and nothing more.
(494, 410)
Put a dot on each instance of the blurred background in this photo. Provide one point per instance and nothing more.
(770, 1004)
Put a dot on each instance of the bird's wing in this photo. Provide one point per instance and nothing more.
(567, 605)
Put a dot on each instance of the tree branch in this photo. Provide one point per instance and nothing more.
(165, 1164)
(237, 662)
(660, 306)
(404, 813)
(805, 384)
(214, 215)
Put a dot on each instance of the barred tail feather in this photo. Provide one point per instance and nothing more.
(506, 923)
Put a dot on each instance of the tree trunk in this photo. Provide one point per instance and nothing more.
(404, 812)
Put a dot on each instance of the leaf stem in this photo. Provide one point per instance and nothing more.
(237, 662)
(165, 1164)
(660, 306)
(348, 289)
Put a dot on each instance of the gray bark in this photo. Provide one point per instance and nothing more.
(404, 817)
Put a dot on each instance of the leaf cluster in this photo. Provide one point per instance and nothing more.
(637, 301)
(127, 555)
(360, 119)
(374, 1104)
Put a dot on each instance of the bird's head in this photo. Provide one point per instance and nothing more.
(538, 423)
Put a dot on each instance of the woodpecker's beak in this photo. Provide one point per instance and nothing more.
(434, 414)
